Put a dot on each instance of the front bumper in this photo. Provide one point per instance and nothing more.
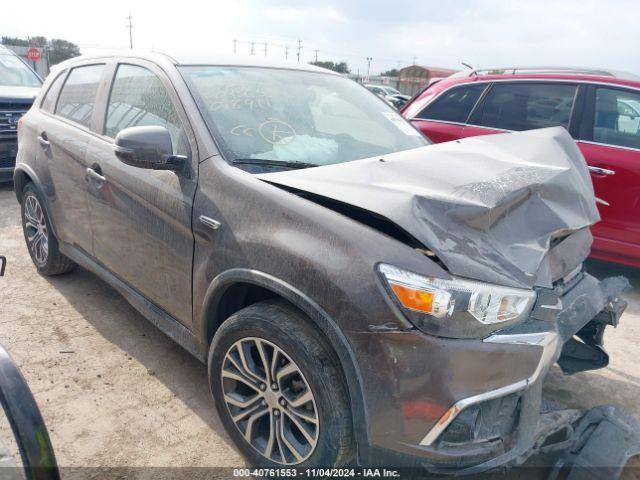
(472, 405)
(8, 152)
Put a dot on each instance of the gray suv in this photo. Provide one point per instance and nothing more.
(19, 85)
(357, 294)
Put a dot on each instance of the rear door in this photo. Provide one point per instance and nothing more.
(141, 218)
(443, 119)
(609, 138)
(517, 106)
(63, 137)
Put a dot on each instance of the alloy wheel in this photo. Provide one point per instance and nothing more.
(36, 230)
(270, 401)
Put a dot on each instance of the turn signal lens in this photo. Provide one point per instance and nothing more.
(435, 303)
(413, 299)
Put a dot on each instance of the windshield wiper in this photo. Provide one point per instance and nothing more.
(273, 163)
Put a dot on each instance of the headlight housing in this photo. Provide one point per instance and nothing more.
(455, 308)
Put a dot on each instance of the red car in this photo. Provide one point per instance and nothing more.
(601, 110)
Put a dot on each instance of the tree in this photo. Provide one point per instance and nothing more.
(341, 67)
(394, 72)
(25, 42)
(19, 42)
(59, 50)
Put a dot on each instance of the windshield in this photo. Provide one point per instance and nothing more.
(14, 73)
(391, 91)
(295, 116)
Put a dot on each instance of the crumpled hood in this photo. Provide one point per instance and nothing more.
(492, 208)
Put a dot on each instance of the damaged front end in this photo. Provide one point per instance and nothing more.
(506, 220)
(509, 425)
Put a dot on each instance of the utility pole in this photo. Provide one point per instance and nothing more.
(235, 45)
(316, 52)
(130, 27)
(286, 52)
(299, 48)
(368, 66)
(414, 59)
(265, 49)
(253, 48)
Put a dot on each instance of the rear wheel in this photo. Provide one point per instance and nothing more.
(41, 242)
(278, 388)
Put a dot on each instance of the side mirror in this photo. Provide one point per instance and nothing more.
(148, 147)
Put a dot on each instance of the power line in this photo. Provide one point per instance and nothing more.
(315, 52)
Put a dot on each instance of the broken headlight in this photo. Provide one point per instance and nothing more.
(455, 308)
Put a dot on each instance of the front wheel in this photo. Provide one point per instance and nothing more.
(279, 390)
(41, 242)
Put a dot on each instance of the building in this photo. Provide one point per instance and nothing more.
(413, 78)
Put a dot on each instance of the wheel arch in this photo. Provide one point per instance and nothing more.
(21, 176)
(24, 174)
(216, 310)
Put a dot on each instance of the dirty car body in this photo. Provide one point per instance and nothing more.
(446, 279)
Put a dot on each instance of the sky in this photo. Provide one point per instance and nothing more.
(482, 33)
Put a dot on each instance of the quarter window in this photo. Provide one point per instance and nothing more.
(526, 106)
(453, 105)
(617, 118)
(78, 95)
(138, 98)
(49, 100)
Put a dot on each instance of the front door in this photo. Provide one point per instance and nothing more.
(141, 218)
(610, 143)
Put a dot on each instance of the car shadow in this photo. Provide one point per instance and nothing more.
(7, 195)
(119, 323)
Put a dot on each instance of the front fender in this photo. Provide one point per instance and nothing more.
(320, 318)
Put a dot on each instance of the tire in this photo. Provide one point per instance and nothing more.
(276, 326)
(41, 242)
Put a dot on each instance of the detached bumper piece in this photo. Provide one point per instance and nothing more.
(585, 350)
(512, 425)
(604, 439)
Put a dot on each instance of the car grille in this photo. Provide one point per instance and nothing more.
(9, 120)
(8, 151)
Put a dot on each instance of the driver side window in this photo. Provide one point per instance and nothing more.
(138, 98)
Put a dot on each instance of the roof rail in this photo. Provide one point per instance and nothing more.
(516, 70)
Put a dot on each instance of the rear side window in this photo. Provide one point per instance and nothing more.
(49, 100)
(453, 105)
(138, 98)
(526, 106)
(617, 117)
(78, 95)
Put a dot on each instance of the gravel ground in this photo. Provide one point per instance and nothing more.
(114, 391)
